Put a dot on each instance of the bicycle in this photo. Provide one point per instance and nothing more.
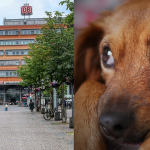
(49, 114)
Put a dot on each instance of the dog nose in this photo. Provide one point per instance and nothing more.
(114, 124)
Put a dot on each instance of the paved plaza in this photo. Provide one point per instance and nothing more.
(22, 130)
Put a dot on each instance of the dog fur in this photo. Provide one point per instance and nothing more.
(121, 90)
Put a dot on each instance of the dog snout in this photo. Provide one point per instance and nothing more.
(115, 124)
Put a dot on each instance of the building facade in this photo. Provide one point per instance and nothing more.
(15, 35)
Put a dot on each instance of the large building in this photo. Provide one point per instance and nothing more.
(15, 35)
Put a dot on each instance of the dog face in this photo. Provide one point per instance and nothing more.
(125, 63)
(115, 50)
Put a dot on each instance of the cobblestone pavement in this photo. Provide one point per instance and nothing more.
(22, 130)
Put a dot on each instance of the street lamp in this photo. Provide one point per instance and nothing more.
(42, 89)
(42, 81)
(47, 79)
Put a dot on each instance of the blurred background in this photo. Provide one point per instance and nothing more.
(86, 11)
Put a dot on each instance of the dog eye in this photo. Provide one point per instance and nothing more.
(107, 57)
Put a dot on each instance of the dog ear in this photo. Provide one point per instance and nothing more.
(87, 132)
(86, 53)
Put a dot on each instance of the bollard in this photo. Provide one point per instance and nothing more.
(57, 116)
(42, 110)
(37, 108)
(71, 122)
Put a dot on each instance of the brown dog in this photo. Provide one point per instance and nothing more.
(112, 80)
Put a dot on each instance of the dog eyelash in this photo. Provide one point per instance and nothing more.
(107, 57)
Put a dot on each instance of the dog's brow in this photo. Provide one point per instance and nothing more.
(105, 39)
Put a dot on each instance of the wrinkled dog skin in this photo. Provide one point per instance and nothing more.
(112, 80)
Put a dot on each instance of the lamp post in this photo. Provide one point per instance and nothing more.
(37, 101)
(42, 89)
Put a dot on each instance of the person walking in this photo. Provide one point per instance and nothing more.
(6, 107)
(31, 105)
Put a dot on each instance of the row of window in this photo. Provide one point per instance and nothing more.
(11, 62)
(24, 22)
(15, 52)
(8, 73)
(30, 31)
(9, 32)
(24, 31)
(16, 42)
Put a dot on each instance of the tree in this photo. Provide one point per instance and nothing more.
(52, 54)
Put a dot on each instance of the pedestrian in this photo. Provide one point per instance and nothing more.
(31, 105)
(65, 103)
(6, 107)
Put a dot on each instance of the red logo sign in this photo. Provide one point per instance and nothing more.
(26, 9)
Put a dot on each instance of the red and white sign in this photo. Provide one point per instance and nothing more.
(26, 10)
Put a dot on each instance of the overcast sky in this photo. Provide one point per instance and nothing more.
(11, 9)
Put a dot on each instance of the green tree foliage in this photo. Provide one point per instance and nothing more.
(60, 43)
(70, 17)
(51, 55)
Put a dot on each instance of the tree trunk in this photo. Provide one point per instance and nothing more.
(40, 100)
(51, 98)
(63, 105)
(35, 97)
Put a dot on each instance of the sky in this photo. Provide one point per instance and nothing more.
(11, 9)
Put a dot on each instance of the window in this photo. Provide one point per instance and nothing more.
(6, 74)
(17, 42)
(2, 63)
(17, 62)
(21, 42)
(6, 32)
(10, 52)
(13, 42)
(23, 62)
(17, 52)
(17, 32)
(13, 32)
(2, 73)
(9, 42)
(22, 52)
(26, 52)
(25, 32)
(1, 32)
(1, 52)
(1, 43)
